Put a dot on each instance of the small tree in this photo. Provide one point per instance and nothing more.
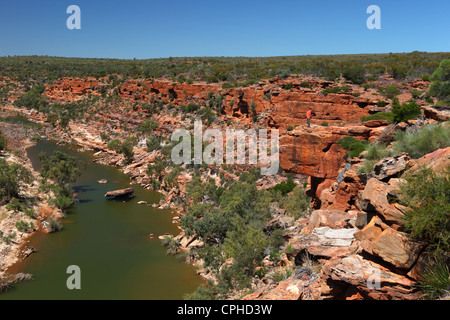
(404, 112)
(354, 73)
(3, 142)
(12, 178)
(440, 87)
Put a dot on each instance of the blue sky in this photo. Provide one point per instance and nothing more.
(179, 28)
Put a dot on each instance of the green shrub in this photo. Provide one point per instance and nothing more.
(435, 281)
(15, 205)
(421, 142)
(288, 86)
(12, 179)
(416, 93)
(335, 90)
(354, 73)
(404, 112)
(290, 128)
(376, 152)
(285, 187)
(381, 103)
(353, 145)
(427, 195)
(62, 202)
(54, 225)
(324, 124)
(379, 116)
(305, 84)
(367, 167)
(390, 91)
(296, 203)
(3, 142)
(440, 87)
(23, 226)
(33, 99)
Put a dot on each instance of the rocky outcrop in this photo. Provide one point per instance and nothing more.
(123, 193)
(314, 151)
(394, 247)
(369, 279)
(374, 200)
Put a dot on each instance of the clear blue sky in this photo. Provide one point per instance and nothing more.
(178, 28)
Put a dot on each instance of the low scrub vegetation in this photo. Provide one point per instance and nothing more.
(418, 143)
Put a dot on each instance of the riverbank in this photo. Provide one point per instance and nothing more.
(14, 244)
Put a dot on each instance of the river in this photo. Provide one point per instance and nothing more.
(108, 240)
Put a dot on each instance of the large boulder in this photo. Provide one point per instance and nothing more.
(372, 280)
(322, 242)
(437, 160)
(374, 199)
(328, 218)
(394, 247)
(391, 167)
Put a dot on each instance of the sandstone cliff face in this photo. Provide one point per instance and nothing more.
(281, 107)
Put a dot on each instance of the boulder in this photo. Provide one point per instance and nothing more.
(328, 218)
(290, 289)
(397, 248)
(394, 247)
(322, 242)
(437, 113)
(391, 167)
(374, 199)
(437, 160)
(123, 193)
(376, 123)
(373, 281)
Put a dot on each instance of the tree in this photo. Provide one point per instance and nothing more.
(52, 118)
(3, 142)
(115, 145)
(33, 99)
(390, 91)
(148, 126)
(245, 245)
(61, 167)
(12, 178)
(404, 112)
(354, 73)
(440, 87)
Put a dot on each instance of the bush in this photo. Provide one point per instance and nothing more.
(335, 90)
(62, 202)
(354, 73)
(435, 281)
(285, 187)
(404, 112)
(421, 142)
(416, 93)
(3, 142)
(12, 178)
(33, 99)
(23, 226)
(381, 103)
(296, 203)
(440, 87)
(390, 91)
(427, 195)
(125, 148)
(379, 116)
(54, 225)
(288, 86)
(353, 145)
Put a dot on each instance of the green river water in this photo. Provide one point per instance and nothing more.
(108, 240)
